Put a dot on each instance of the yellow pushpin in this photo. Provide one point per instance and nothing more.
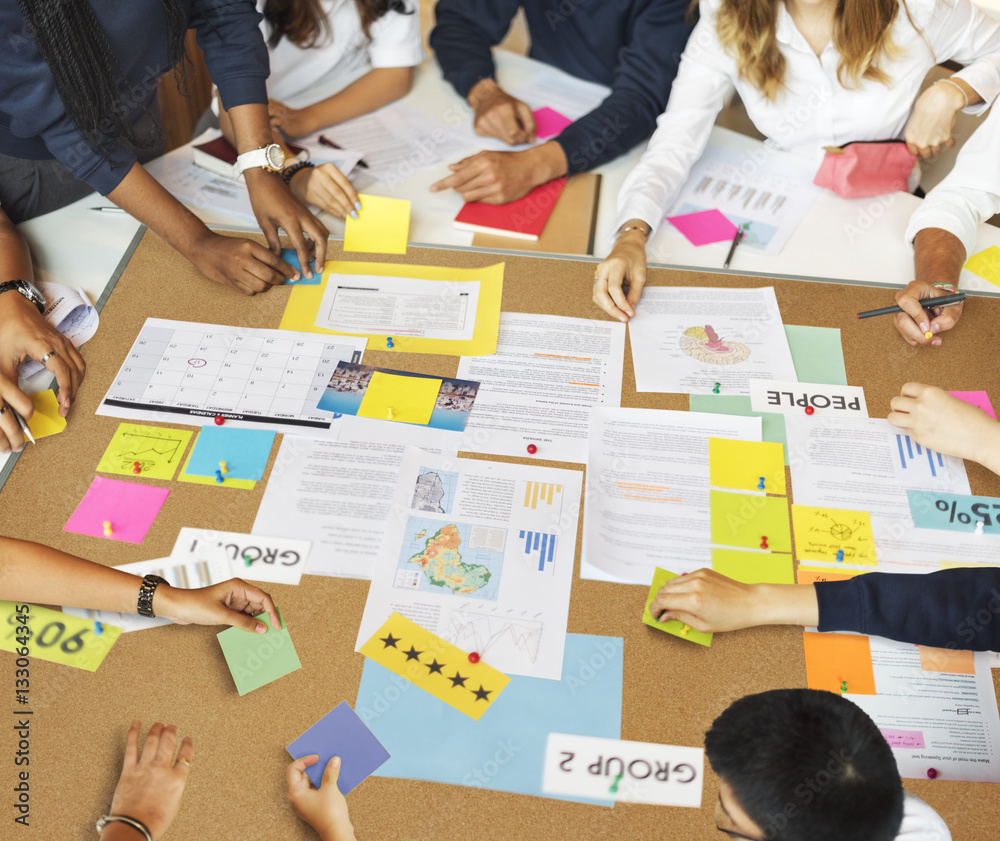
(107, 529)
(684, 630)
(390, 413)
(223, 468)
(928, 335)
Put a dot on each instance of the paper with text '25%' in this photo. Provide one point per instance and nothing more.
(631, 772)
(45, 634)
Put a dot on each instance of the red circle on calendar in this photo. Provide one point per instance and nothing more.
(197, 363)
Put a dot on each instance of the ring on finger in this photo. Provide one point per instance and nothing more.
(185, 760)
(3, 410)
(48, 356)
(598, 277)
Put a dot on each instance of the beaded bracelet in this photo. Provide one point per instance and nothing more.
(288, 172)
(947, 286)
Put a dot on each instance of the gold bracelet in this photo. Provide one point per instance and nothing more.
(646, 230)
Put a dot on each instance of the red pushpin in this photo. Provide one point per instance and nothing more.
(473, 657)
(809, 410)
(219, 420)
(931, 774)
(763, 541)
(136, 469)
(532, 449)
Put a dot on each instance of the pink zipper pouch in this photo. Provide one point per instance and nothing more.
(866, 168)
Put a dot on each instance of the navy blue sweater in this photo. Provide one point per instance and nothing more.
(632, 46)
(33, 122)
(954, 608)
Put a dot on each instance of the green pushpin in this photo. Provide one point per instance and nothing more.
(618, 779)
(247, 560)
(843, 686)
(716, 389)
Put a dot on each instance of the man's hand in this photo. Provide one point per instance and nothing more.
(241, 264)
(501, 177)
(915, 322)
(499, 115)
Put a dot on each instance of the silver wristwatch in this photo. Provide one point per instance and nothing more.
(270, 158)
(26, 288)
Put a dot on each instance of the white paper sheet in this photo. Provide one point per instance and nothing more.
(864, 465)
(199, 187)
(566, 94)
(187, 372)
(480, 553)
(72, 314)
(686, 339)
(791, 398)
(771, 194)
(647, 502)
(273, 560)
(538, 388)
(399, 306)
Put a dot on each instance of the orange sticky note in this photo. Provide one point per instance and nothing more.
(811, 576)
(832, 659)
(946, 660)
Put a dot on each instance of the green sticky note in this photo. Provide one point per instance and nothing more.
(257, 659)
(743, 520)
(772, 425)
(817, 353)
(754, 567)
(677, 629)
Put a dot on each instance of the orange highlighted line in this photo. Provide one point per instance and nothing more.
(592, 385)
(557, 356)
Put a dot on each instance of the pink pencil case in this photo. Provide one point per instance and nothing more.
(866, 168)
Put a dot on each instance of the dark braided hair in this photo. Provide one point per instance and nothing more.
(303, 21)
(93, 88)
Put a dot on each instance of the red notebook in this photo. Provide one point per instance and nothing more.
(523, 219)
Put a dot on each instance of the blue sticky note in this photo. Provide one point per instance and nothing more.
(291, 256)
(505, 749)
(340, 733)
(245, 452)
(954, 512)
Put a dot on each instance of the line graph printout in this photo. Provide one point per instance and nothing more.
(185, 372)
(488, 570)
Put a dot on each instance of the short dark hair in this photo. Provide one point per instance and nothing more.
(808, 765)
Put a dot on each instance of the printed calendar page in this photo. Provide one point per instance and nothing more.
(185, 372)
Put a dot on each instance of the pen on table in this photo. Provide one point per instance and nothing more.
(24, 425)
(732, 248)
(926, 303)
(327, 142)
(109, 209)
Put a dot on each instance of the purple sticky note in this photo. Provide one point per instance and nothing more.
(979, 399)
(704, 227)
(129, 507)
(340, 733)
(549, 122)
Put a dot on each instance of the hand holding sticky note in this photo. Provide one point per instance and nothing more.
(671, 626)
(382, 226)
(46, 420)
(257, 659)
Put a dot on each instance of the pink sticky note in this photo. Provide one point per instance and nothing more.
(704, 227)
(979, 399)
(549, 122)
(129, 507)
(903, 738)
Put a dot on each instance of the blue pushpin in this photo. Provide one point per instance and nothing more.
(840, 555)
(218, 477)
(98, 628)
(388, 342)
(760, 485)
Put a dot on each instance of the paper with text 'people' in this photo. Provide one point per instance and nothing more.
(41, 633)
(480, 553)
(618, 770)
(463, 680)
(791, 398)
(538, 388)
(275, 560)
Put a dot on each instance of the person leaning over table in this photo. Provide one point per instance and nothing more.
(25, 333)
(631, 46)
(812, 73)
(370, 47)
(78, 82)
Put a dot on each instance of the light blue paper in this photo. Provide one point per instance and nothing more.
(505, 749)
(245, 452)
(291, 256)
(954, 512)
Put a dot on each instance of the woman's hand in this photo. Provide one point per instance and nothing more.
(324, 808)
(624, 266)
(232, 602)
(932, 124)
(291, 122)
(328, 188)
(241, 264)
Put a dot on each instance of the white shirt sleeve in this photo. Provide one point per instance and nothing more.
(921, 822)
(396, 40)
(960, 31)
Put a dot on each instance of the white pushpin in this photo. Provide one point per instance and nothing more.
(979, 526)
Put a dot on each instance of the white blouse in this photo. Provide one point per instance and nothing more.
(921, 822)
(814, 110)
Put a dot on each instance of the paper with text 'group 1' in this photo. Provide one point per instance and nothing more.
(954, 512)
(631, 772)
(820, 533)
(791, 398)
(41, 633)
(275, 560)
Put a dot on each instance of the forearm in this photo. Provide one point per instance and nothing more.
(938, 257)
(369, 93)
(15, 261)
(785, 604)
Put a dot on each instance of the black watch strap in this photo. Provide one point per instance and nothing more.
(146, 590)
(23, 288)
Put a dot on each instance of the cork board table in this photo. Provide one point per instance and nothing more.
(176, 674)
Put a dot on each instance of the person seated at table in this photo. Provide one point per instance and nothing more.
(630, 46)
(808, 765)
(24, 333)
(943, 231)
(811, 74)
(370, 47)
(78, 85)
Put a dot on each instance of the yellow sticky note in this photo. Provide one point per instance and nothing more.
(303, 304)
(242, 484)
(821, 532)
(986, 264)
(399, 398)
(966, 565)
(435, 665)
(46, 420)
(672, 626)
(156, 450)
(46, 634)
(741, 465)
(745, 520)
(382, 226)
(754, 567)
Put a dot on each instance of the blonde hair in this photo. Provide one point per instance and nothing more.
(861, 34)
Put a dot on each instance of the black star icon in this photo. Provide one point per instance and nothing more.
(389, 640)
(458, 680)
(413, 654)
(435, 667)
(482, 694)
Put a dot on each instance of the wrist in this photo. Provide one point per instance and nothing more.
(953, 92)
(338, 833)
(784, 604)
(548, 162)
(481, 91)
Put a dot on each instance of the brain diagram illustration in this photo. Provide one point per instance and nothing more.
(705, 345)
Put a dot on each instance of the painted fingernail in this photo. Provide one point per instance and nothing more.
(357, 204)
(354, 214)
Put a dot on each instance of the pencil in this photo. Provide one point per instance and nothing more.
(333, 145)
(24, 425)
(732, 248)
(927, 304)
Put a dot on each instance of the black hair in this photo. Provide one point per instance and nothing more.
(808, 765)
(86, 72)
(303, 21)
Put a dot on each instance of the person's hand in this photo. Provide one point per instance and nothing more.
(914, 322)
(932, 124)
(275, 207)
(232, 602)
(241, 264)
(151, 786)
(494, 177)
(328, 188)
(25, 333)
(291, 122)
(624, 266)
(938, 421)
(707, 601)
(499, 115)
(324, 808)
